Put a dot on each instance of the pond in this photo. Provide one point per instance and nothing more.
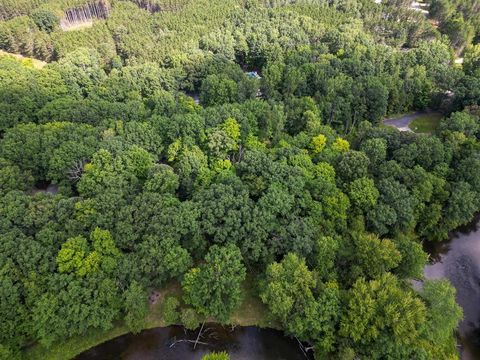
(458, 260)
(242, 343)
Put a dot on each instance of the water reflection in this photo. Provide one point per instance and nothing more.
(458, 260)
(173, 343)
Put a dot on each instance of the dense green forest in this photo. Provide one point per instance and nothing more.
(215, 145)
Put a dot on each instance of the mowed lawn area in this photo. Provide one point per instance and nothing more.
(426, 123)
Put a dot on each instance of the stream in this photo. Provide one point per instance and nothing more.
(241, 343)
(458, 260)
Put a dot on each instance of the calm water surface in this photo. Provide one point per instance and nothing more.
(242, 343)
(458, 260)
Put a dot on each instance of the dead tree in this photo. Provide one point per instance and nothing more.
(76, 171)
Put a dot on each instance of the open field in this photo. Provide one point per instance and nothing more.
(38, 64)
(426, 123)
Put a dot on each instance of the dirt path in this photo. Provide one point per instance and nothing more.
(77, 26)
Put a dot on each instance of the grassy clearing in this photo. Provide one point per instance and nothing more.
(251, 312)
(78, 26)
(38, 64)
(75, 345)
(426, 123)
(155, 318)
(78, 344)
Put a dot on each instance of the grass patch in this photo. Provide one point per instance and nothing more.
(155, 318)
(70, 348)
(75, 345)
(79, 26)
(426, 123)
(37, 64)
(251, 312)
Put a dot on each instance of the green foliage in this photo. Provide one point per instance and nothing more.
(461, 205)
(376, 150)
(371, 257)
(363, 193)
(471, 63)
(12, 178)
(325, 255)
(461, 122)
(167, 155)
(189, 319)
(21, 35)
(379, 310)
(216, 91)
(8, 354)
(136, 307)
(443, 315)
(102, 172)
(79, 256)
(340, 145)
(395, 206)
(413, 257)
(81, 70)
(171, 314)
(353, 165)
(223, 139)
(214, 288)
(225, 208)
(290, 295)
(54, 148)
(72, 256)
(98, 38)
(46, 20)
(55, 314)
(25, 90)
(158, 260)
(458, 20)
(288, 282)
(216, 356)
(318, 143)
(163, 180)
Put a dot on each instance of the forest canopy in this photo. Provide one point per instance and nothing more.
(215, 145)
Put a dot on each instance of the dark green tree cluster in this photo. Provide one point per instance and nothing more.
(458, 19)
(307, 62)
(285, 176)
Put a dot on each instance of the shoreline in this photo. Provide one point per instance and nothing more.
(251, 312)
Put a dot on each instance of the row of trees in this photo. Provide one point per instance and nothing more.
(172, 32)
(342, 90)
(459, 20)
(374, 319)
(203, 194)
(285, 179)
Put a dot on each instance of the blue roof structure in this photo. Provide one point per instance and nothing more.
(253, 74)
